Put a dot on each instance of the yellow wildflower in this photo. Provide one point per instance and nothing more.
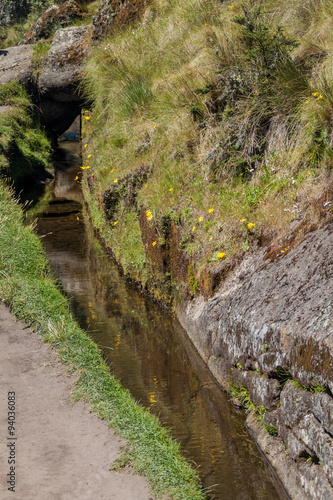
(172, 202)
(114, 168)
(193, 229)
(232, 6)
(85, 145)
(89, 156)
(200, 219)
(315, 94)
(251, 225)
(319, 97)
(211, 210)
(171, 189)
(87, 117)
(116, 180)
(307, 102)
(243, 220)
(154, 243)
(115, 223)
(221, 255)
(77, 218)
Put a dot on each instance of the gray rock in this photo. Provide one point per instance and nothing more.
(294, 404)
(16, 64)
(322, 409)
(263, 391)
(311, 433)
(56, 15)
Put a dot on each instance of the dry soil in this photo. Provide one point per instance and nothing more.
(62, 451)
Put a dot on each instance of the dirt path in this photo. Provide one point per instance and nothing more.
(61, 450)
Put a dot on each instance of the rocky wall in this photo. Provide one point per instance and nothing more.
(269, 328)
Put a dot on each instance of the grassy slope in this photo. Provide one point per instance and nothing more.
(233, 117)
(24, 147)
(28, 286)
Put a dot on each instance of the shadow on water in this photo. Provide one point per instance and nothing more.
(149, 353)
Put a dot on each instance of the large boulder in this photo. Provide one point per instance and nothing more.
(116, 13)
(13, 9)
(54, 16)
(55, 86)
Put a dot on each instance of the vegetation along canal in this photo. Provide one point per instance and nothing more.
(147, 349)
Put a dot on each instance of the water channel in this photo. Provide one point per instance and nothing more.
(147, 349)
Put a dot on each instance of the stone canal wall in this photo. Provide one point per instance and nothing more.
(269, 328)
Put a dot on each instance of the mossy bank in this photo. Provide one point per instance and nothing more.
(207, 145)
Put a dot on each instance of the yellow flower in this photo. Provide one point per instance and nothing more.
(193, 229)
(319, 97)
(87, 166)
(243, 220)
(307, 102)
(116, 180)
(89, 156)
(172, 202)
(231, 6)
(250, 225)
(315, 94)
(221, 255)
(76, 178)
(206, 24)
(211, 210)
(85, 145)
(114, 168)
(282, 251)
(115, 223)
(200, 219)
(77, 218)
(87, 117)
(154, 243)
(171, 189)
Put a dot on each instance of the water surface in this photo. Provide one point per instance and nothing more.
(148, 351)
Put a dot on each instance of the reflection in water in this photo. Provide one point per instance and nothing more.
(149, 352)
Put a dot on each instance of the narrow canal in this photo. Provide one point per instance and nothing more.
(147, 349)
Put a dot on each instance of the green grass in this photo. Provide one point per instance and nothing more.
(229, 105)
(27, 285)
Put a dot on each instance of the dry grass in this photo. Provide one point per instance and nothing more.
(180, 92)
